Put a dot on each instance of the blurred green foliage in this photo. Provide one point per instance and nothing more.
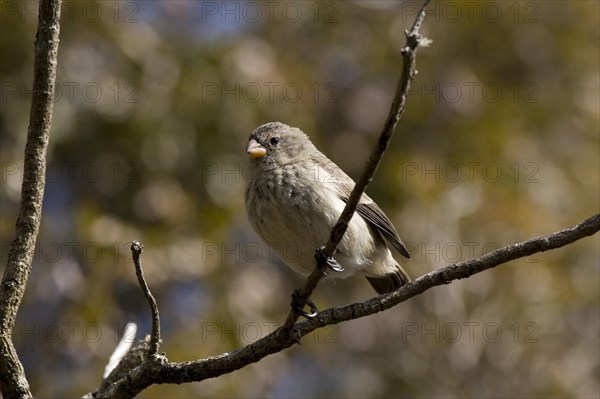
(154, 104)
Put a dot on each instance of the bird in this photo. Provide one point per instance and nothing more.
(295, 195)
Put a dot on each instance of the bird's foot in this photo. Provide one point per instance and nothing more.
(299, 308)
(329, 261)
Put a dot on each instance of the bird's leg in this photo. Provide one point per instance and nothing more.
(299, 308)
(323, 261)
(328, 261)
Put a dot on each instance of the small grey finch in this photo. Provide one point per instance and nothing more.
(295, 195)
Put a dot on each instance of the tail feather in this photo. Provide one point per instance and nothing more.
(389, 282)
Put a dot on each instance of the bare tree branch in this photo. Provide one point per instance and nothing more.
(13, 383)
(286, 335)
(142, 366)
(409, 54)
(161, 371)
(136, 252)
(158, 370)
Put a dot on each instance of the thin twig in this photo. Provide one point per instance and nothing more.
(136, 252)
(13, 383)
(178, 373)
(409, 53)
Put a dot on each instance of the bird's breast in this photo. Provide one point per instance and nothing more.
(294, 213)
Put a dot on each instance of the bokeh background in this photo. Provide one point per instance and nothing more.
(154, 104)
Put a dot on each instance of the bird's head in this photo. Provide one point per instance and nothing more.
(275, 144)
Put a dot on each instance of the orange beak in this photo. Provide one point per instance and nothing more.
(255, 150)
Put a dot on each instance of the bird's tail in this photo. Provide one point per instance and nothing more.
(389, 282)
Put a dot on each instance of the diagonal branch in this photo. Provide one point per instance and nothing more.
(409, 55)
(177, 373)
(453, 272)
(12, 376)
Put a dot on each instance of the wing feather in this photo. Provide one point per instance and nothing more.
(370, 211)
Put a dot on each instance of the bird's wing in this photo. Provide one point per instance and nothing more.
(369, 210)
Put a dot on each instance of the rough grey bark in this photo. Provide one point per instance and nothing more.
(13, 383)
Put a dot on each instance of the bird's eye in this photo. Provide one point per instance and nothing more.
(274, 140)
